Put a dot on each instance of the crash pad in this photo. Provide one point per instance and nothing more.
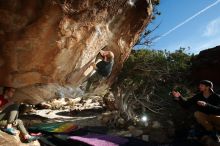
(57, 127)
(100, 140)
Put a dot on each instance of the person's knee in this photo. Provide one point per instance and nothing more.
(19, 122)
(199, 115)
(196, 114)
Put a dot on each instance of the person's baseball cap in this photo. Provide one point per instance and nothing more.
(207, 83)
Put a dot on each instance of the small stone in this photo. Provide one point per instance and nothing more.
(77, 100)
(89, 101)
(121, 121)
(124, 133)
(128, 135)
(156, 124)
(170, 122)
(134, 131)
(146, 124)
(105, 120)
(131, 128)
(145, 138)
(137, 132)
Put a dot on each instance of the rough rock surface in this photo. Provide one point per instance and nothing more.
(9, 140)
(45, 44)
(206, 65)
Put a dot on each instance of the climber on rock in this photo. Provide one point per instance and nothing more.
(103, 68)
(9, 115)
(207, 107)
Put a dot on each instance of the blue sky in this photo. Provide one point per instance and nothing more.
(187, 23)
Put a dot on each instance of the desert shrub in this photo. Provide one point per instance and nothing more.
(148, 76)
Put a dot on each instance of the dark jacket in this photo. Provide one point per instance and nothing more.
(104, 68)
(213, 103)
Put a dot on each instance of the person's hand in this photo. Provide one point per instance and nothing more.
(176, 95)
(202, 103)
(102, 53)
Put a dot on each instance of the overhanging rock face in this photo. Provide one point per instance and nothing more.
(47, 44)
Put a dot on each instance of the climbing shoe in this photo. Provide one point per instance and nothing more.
(31, 139)
(11, 131)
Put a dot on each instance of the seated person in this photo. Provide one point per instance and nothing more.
(207, 105)
(103, 68)
(9, 115)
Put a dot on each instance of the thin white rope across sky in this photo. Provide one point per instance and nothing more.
(187, 20)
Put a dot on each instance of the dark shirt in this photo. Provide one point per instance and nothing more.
(213, 103)
(104, 68)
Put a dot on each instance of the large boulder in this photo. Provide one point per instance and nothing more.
(206, 65)
(48, 44)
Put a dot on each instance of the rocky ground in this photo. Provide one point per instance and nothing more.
(8, 140)
(93, 111)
